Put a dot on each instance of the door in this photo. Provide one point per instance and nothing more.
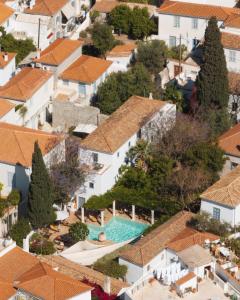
(81, 201)
(177, 70)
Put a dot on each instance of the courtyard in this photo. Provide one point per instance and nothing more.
(207, 290)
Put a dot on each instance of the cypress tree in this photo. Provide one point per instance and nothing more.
(212, 81)
(41, 195)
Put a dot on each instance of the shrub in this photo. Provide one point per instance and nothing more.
(83, 34)
(204, 222)
(110, 268)
(40, 245)
(14, 197)
(94, 15)
(20, 230)
(78, 232)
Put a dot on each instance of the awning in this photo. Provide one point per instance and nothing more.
(68, 11)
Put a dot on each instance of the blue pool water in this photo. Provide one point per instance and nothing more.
(117, 230)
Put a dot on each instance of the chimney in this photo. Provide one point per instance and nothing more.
(38, 53)
(107, 285)
(5, 56)
(150, 96)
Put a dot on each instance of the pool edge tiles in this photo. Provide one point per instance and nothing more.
(117, 230)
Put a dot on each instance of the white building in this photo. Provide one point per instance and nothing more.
(222, 199)
(231, 45)
(105, 149)
(225, 3)
(16, 155)
(123, 54)
(6, 17)
(58, 56)
(188, 21)
(25, 276)
(164, 254)
(7, 67)
(229, 143)
(45, 21)
(31, 91)
(80, 80)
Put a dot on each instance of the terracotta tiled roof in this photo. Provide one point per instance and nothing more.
(15, 263)
(46, 7)
(225, 191)
(234, 82)
(105, 6)
(5, 107)
(185, 278)
(86, 69)
(6, 289)
(22, 86)
(42, 281)
(4, 63)
(190, 237)
(80, 272)
(143, 251)
(230, 141)
(21, 142)
(123, 50)
(230, 15)
(5, 13)
(122, 124)
(230, 41)
(58, 51)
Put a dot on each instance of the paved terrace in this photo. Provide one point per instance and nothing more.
(207, 290)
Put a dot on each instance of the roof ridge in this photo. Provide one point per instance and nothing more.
(20, 148)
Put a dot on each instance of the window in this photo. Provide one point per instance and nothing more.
(118, 154)
(91, 185)
(129, 144)
(139, 134)
(95, 157)
(176, 21)
(216, 213)
(195, 42)
(11, 180)
(233, 165)
(172, 41)
(148, 268)
(82, 89)
(194, 23)
(65, 82)
(95, 87)
(232, 56)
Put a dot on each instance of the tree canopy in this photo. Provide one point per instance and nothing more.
(134, 22)
(103, 39)
(212, 80)
(41, 194)
(152, 55)
(118, 87)
(21, 47)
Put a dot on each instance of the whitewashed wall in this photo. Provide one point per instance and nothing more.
(7, 72)
(227, 213)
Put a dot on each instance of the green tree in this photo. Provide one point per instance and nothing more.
(141, 24)
(212, 80)
(20, 230)
(120, 18)
(118, 87)
(175, 95)
(14, 197)
(152, 55)
(78, 232)
(21, 47)
(41, 196)
(103, 39)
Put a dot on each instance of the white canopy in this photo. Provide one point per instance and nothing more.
(86, 128)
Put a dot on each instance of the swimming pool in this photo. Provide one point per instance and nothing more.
(117, 230)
